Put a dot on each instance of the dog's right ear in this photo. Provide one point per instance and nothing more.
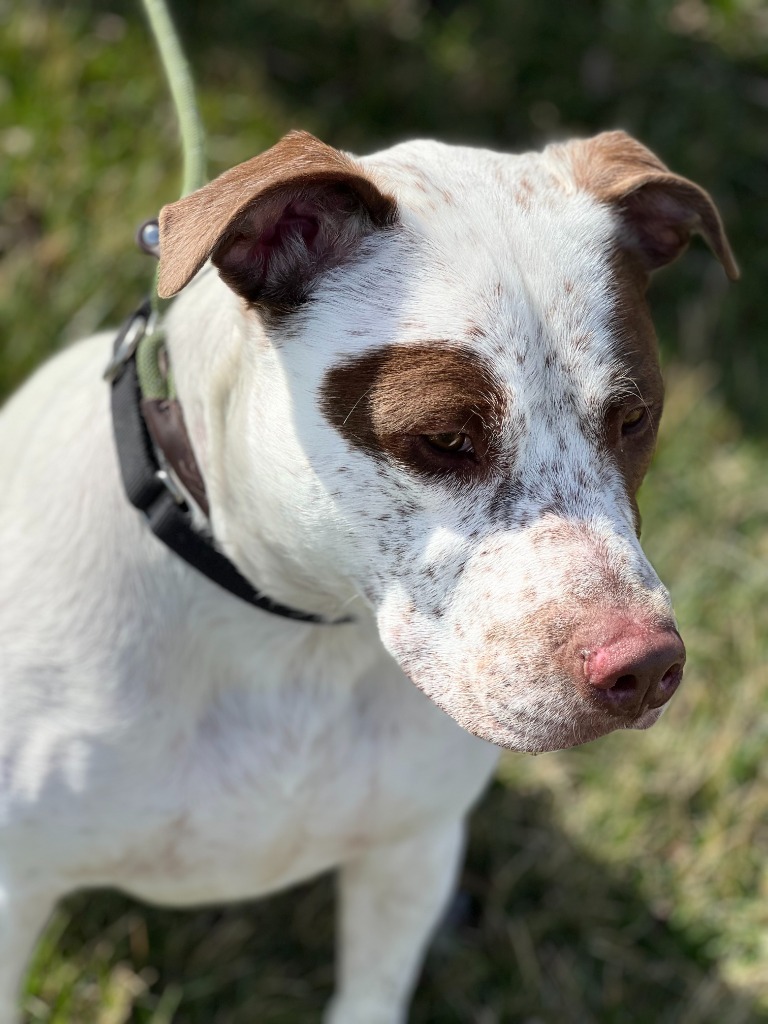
(272, 224)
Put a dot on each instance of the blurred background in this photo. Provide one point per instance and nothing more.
(622, 882)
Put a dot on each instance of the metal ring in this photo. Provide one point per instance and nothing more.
(148, 237)
(126, 346)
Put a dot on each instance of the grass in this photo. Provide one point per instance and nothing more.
(619, 883)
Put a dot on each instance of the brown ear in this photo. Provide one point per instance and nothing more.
(271, 224)
(659, 209)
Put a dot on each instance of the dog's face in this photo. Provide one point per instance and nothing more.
(468, 376)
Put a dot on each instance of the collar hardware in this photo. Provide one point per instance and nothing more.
(151, 440)
(130, 334)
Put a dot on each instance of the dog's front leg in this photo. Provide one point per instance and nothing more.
(22, 918)
(391, 901)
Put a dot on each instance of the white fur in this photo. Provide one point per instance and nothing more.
(158, 735)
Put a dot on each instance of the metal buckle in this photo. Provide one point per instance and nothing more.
(141, 323)
(171, 486)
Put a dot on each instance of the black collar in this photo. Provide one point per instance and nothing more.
(150, 487)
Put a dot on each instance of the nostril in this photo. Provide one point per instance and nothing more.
(672, 675)
(625, 684)
(667, 685)
(623, 694)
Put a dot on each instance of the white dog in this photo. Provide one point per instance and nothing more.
(420, 395)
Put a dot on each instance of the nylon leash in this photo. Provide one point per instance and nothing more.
(178, 74)
(179, 77)
(153, 382)
(150, 435)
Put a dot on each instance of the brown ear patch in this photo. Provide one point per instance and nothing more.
(272, 222)
(385, 401)
(660, 210)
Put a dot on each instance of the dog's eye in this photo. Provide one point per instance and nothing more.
(634, 420)
(452, 443)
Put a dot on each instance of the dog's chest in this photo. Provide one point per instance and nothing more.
(267, 788)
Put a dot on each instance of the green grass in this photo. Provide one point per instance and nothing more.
(620, 883)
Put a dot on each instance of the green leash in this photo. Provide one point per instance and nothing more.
(138, 362)
(179, 77)
(154, 380)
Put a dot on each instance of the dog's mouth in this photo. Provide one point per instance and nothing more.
(557, 735)
(556, 720)
(647, 718)
(586, 732)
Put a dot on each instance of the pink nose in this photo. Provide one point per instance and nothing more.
(639, 669)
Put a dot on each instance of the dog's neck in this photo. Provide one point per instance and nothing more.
(242, 432)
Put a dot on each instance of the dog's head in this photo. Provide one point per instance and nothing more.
(462, 400)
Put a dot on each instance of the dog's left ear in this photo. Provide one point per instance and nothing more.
(659, 210)
(273, 223)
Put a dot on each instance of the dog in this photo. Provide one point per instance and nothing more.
(417, 395)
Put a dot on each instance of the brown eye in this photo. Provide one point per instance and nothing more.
(452, 444)
(634, 420)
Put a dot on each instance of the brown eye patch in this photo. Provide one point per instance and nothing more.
(389, 401)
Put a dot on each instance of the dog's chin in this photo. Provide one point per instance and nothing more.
(540, 732)
(558, 735)
(648, 718)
